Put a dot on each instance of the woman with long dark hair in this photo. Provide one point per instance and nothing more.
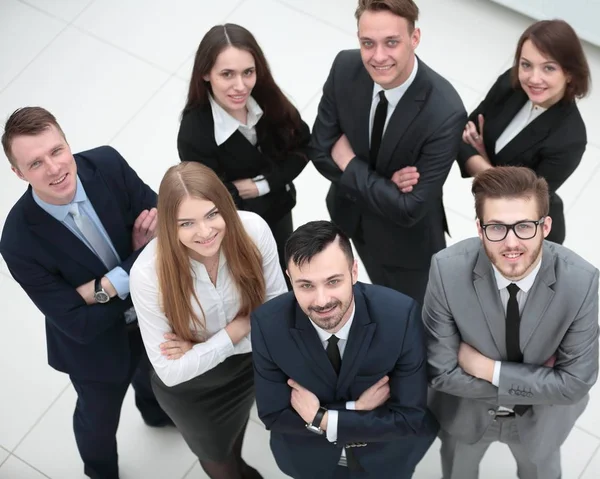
(530, 116)
(238, 122)
(193, 288)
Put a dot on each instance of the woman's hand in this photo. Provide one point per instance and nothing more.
(174, 347)
(246, 188)
(475, 139)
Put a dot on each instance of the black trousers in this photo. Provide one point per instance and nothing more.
(411, 282)
(98, 410)
(282, 230)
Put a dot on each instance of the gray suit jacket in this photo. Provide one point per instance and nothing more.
(560, 317)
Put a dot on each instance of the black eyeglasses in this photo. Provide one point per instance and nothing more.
(523, 230)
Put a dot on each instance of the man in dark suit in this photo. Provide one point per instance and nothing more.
(387, 131)
(70, 242)
(340, 367)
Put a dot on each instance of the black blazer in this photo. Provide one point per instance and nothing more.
(386, 338)
(238, 159)
(89, 342)
(551, 145)
(424, 131)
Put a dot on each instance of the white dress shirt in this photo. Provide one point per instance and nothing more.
(524, 117)
(226, 125)
(342, 335)
(220, 303)
(524, 285)
(393, 96)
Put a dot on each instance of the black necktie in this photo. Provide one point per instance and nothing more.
(378, 124)
(513, 325)
(333, 353)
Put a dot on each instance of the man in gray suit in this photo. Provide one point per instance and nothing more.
(512, 326)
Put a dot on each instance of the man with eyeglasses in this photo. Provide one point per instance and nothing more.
(512, 332)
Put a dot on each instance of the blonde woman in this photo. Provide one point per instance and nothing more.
(194, 288)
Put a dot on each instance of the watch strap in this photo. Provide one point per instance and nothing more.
(98, 285)
(316, 422)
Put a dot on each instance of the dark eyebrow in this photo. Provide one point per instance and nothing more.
(212, 210)
(545, 63)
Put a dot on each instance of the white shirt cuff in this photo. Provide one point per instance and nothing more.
(496, 376)
(221, 343)
(351, 405)
(332, 425)
(263, 187)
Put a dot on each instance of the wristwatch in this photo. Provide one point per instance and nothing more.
(315, 425)
(100, 295)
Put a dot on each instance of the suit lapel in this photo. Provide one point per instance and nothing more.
(55, 233)
(362, 99)
(106, 208)
(489, 300)
(359, 340)
(404, 114)
(311, 348)
(497, 122)
(532, 134)
(538, 298)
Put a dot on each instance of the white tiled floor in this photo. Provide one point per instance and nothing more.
(116, 71)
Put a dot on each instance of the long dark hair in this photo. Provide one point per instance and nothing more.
(280, 117)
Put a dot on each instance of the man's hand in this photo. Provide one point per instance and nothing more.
(87, 290)
(475, 363)
(406, 178)
(246, 188)
(375, 396)
(550, 362)
(144, 228)
(474, 138)
(174, 347)
(305, 403)
(342, 152)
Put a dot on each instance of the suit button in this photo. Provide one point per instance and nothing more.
(491, 412)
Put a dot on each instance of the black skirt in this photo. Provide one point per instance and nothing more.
(211, 410)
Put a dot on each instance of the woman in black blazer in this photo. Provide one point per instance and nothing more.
(238, 122)
(530, 117)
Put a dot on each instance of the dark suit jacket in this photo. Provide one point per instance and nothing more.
(50, 262)
(386, 338)
(551, 145)
(238, 159)
(424, 131)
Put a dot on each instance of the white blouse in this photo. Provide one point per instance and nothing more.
(220, 303)
(524, 117)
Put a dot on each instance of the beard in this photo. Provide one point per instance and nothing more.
(519, 269)
(332, 320)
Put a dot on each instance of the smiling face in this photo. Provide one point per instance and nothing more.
(323, 287)
(515, 258)
(542, 78)
(232, 79)
(387, 47)
(45, 161)
(200, 227)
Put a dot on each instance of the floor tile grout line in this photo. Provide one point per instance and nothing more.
(319, 20)
(589, 462)
(36, 56)
(39, 419)
(593, 434)
(46, 13)
(583, 188)
(191, 468)
(139, 110)
(8, 454)
(32, 467)
(121, 49)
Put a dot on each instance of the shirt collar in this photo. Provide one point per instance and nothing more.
(342, 334)
(534, 110)
(60, 212)
(226, 125)
(524, 284)
(393, 95)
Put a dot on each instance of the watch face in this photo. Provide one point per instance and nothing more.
(101, 297)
